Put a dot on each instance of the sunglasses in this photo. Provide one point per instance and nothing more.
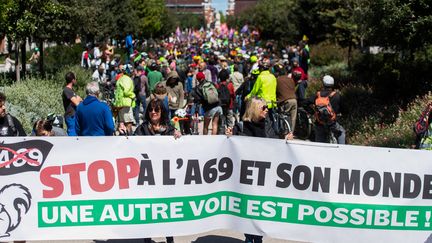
(265, 107)
(155, 109)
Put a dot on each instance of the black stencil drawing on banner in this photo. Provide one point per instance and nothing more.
(23, 156)
(15, 202)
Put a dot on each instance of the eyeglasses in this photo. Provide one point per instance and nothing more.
(155, 109)
(265, 107)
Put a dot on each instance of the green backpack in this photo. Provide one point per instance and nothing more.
(210, 93)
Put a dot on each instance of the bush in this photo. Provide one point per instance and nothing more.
(82, 75)
(57, 57)
(326, 53)
(398, 134)
(339, 71)
(34, 99)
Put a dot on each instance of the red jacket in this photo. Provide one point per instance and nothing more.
(230, 87)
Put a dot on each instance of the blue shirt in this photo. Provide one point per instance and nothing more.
(93, 118)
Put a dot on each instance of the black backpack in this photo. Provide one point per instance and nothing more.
(224, 95)
(137, 84)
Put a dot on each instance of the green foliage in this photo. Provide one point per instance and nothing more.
(151, 14)
(57, 57)
(188, 21)
(393, 78)
(326, 53)
(276, 19)
(339, 19)
(398, 24)
(33, 99)
(42, 19)
(396, 135)
(339, 71)
(83, 77)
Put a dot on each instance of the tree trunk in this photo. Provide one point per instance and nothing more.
(349, 55)
(17, 62)
(41, 58)
(24, 57)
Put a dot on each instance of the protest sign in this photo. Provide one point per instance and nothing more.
(57, 188)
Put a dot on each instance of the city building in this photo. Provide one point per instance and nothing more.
(201, 7)
(235, 7)
(186, 6)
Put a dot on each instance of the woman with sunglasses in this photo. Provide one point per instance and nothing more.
(255, 124)
(156, 121)
(255, 121)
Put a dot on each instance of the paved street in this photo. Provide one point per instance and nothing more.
(217, 236)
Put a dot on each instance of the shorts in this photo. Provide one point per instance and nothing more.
(214, 111)
(126, 115)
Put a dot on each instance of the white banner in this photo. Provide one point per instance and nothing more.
(56, 188)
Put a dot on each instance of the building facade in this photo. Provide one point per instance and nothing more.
(235, 7)
(186, 6)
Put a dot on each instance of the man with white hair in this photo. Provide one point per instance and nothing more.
(93, 117)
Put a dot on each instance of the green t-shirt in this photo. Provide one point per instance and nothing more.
(154, 77)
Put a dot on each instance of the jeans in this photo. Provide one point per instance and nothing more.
(290, 108)
(253, 238)
(321, 133)
(140, 99)
(301, 90)
(70, 125)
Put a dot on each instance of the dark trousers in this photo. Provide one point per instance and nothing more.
(253, 238)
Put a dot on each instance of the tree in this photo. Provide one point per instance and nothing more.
(40, 19)
(339, 19)
(151, 14)
(402, 25)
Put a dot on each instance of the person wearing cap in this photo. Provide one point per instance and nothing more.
(245, 89)
(175, 91)
(212, 111)
(265, 85)
(124, 100)
(302, 83)
(202, 67)
(321, 130)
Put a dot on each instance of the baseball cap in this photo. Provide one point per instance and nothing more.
(200, 76)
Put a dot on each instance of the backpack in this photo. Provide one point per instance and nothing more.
(224, 95)
(324, 114)
(210, 93)
(137, 84)
(11, 125)
(421, 126)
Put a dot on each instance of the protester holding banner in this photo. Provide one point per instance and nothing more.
(255, 121)
(254, 124)
(156, 121)
(9, 125)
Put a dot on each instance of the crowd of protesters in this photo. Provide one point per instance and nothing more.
(229, 79)
(211, 73)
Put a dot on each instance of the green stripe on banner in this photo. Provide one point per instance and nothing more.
(276, 209)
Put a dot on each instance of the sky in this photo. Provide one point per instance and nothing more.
(221, 5)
